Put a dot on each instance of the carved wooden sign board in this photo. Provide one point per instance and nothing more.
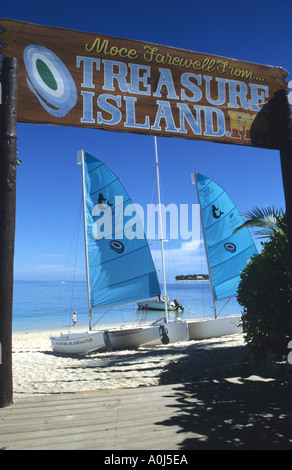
(74, 78)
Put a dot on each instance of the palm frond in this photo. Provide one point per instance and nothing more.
(265, 213)
(266, 218)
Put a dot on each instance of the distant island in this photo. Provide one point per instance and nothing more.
(192, 277)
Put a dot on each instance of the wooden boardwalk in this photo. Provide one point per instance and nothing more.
(108, 419)
(235, 413)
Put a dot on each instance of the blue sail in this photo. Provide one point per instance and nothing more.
(120, 265)
(228, 253)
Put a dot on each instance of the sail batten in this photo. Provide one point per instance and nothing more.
(120, 265)
(227, 252)
(127, 280)
(113, 260)
(104, 187)
(235, 256)
(223, 217)
(214, 201)
(96, 168)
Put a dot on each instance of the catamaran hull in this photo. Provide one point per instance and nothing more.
(172, 332)
(78, 343)
(133, 337)
(149, 335)
(214, 328)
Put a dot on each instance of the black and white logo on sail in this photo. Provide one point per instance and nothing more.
(117, 246)
(231, 247)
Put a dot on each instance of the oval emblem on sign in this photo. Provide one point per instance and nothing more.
(49, 80)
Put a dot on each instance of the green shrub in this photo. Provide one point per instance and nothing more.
(265, 292)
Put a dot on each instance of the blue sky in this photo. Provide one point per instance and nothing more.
(48, 180)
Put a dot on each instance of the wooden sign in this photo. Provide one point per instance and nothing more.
(73, 78)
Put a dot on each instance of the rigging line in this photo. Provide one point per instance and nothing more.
(154, 252)
(121, 313)
(77, 223)
(98, 320)
(228, 300)
(75, 261)
(144, 315)
(72, 241)
(202, 285)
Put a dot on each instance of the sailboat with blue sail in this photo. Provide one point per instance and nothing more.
(227, 252)
(119, 264)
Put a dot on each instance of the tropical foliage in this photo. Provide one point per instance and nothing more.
(18, 161)
(268, 219)
(265, 290)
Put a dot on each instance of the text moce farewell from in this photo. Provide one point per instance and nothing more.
(137, 79)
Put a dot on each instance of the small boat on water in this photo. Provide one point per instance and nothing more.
(159, 304)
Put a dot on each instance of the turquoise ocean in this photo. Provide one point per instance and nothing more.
(39, 305)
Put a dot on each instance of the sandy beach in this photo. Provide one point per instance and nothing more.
(37, 371)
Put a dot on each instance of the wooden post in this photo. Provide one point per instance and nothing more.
(8, 137)
(284, 136)
(286, 165)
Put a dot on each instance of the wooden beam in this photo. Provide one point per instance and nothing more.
(152, 89)
(8, 137)
(283, 128)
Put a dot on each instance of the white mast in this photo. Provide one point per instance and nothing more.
(80, 159)
(160, 229)
(195, 181)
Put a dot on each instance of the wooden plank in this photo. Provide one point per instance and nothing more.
(95, 395)
(17, 429)
(86, 400)
(79, 407)
(99, 420)
(94, 439)
(172, 420)
(47, 421)
(92, 436)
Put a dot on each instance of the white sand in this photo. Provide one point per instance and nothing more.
(37, 371)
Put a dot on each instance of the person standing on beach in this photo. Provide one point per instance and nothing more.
(74, 318)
